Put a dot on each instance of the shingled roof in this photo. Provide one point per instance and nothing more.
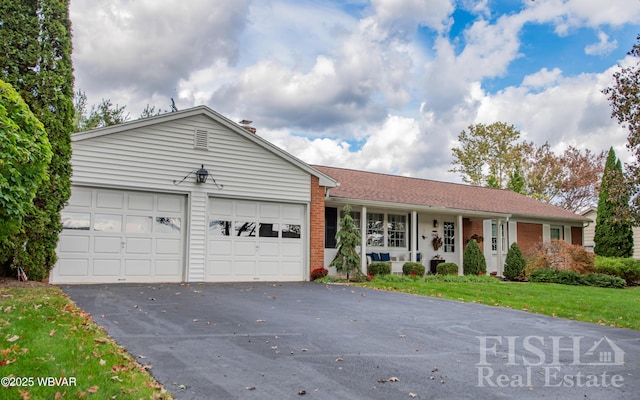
(424, 193)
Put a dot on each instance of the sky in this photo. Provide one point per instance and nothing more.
(379, 85)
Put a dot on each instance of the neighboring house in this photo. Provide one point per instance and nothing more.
(401, 215)
(131, 218)
(590, 231)
(137, 212)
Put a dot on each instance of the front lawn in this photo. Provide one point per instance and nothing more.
(50, 349)
(614, 307)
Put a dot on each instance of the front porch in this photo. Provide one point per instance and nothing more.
(398, 235)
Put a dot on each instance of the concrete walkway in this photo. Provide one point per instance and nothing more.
(307, 340)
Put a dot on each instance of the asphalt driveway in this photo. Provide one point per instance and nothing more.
(308, 340)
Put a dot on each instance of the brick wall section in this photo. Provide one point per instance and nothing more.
(316, 251)
(576, 235)
(470, 228)
(529, 235)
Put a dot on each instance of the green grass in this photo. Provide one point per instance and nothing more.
(43, 334)
(613, 307)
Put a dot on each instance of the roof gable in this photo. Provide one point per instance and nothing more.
(382, 188)
(324, 179)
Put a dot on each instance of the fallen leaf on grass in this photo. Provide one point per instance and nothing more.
(7, 310)
(100, 340)
(13, 338)
(24, 394)
(52, 332)
(116, 378)
(102, 362)
(93, 389)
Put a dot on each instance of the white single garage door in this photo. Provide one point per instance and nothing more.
(121, 236)
(255, 241)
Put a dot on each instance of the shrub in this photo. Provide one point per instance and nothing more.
(447, 268)
(473, 261)
(319, 273)
(413, 268)
(379, 268)
(560, 255)
(625, 268)
(566, 277)
(514, 264)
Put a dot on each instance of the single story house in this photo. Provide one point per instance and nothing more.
(590, 232)
(191, 196)
(400, 216)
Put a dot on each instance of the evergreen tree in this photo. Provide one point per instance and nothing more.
(347, 260)
(473, 261)
(36, 60)
(613, 234)
(514, 264)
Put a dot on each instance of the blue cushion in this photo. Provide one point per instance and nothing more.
(375, 257)
(385, 257)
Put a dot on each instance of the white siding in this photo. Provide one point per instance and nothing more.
(152, 156)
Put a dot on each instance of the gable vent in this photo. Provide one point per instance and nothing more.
(201, 140)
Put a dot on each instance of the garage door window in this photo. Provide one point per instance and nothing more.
(138, 224)
(107, 223)
(79, 221)
(219, 228)
(268, 230)
(291, 231)
(168, 225)
(245, 229)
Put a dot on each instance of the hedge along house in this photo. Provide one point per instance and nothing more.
(400, 216)
(188, 196)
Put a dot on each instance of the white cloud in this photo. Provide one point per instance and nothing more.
(604, 46)
(542, 78)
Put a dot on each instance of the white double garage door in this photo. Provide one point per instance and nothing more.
(129, 236)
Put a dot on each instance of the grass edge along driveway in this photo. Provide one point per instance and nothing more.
(611, 307)
(49, 348)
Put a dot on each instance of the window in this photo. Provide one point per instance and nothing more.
(494, 237)
(80, 221)
(330, 227)
(107, 223)
(168, 225)
(292, 231)
(375, 230)
(268, 230)
(556, 232)
(355, 215)
(449, 237)
(244, 229)
(396, 230)
(219, 228)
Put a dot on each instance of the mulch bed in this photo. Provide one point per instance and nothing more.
(6, 281)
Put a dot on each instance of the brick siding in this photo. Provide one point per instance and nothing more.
(470, 228)
(529, 235)
(317, 225)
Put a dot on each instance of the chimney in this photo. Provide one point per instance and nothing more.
(246, 125)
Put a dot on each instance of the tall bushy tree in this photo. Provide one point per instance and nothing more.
(41, 71)
(347, 260)
(25, 154)
(473, 261)
(613, 234)
(493, 156)
(624, 96)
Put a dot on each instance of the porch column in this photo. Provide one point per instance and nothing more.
(499, 267)
(460, 246)
(363, 240)
(414, 236)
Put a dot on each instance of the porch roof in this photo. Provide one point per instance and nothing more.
(423, 193)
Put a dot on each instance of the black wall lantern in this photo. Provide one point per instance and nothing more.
(202, 174)
(201, 177)
(435, 223)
